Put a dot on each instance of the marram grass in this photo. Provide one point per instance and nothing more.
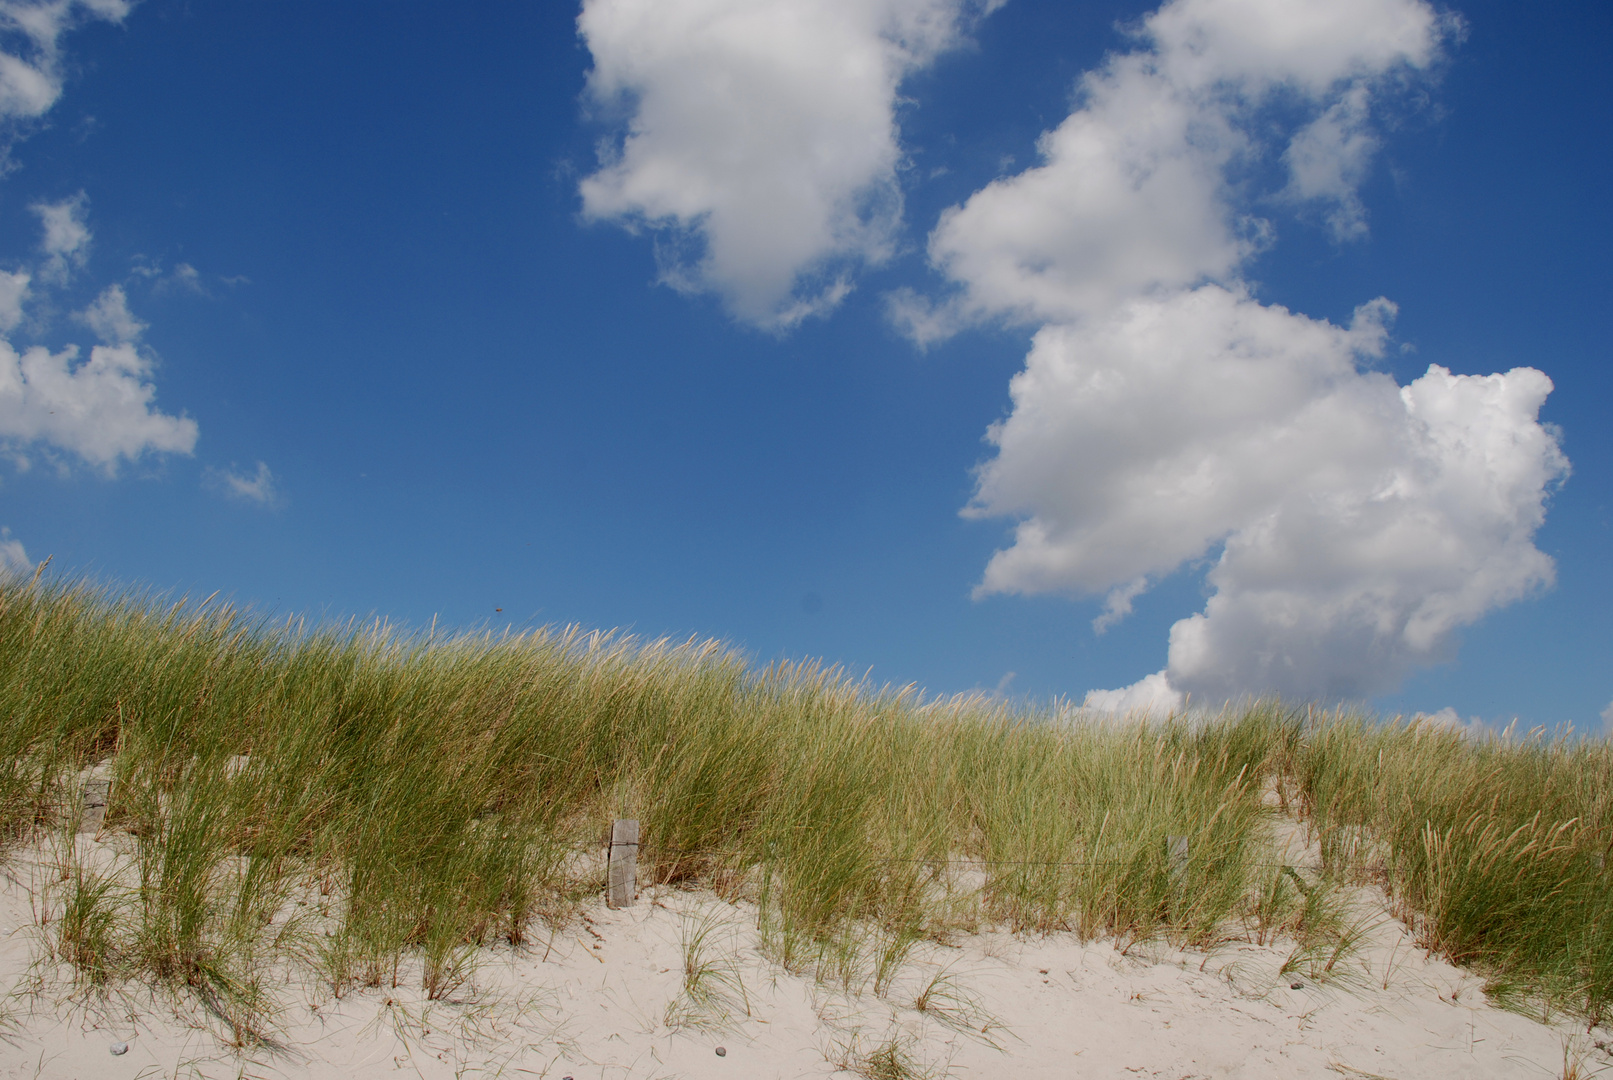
(1496, 851)
(352, 798)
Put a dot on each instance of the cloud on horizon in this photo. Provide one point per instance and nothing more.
(13, 558)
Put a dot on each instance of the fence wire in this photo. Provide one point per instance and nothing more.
(655, 854)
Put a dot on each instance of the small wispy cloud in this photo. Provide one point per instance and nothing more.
(182, 278)
(1117, 605)
(259, 487)
(1607, 719)
(66, 242)
(109, 316)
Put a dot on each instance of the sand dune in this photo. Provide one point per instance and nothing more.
(605, 999)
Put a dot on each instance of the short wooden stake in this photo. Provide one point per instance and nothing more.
(97, 792)
(622, 873)
(1176, 855)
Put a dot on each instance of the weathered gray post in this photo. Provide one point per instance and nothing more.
(1176, 855)
(97, 793)
(622, 871)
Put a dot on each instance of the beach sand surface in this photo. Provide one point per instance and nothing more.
(604, 998)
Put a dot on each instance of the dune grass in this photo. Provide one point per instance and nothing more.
(354, 798)
(1495, 851)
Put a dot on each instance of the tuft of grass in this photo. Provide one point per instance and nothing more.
(1325, 932)
(891, 1059)
(85, 928)
(945, 999)
(712, 989)
(1577, 1060)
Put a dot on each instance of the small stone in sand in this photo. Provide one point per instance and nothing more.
(1296, 986)
(119, 1048)
(722, 1051)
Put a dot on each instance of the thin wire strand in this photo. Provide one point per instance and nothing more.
(651, 854)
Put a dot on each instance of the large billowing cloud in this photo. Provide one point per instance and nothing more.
(760, 141)
(1165, 415)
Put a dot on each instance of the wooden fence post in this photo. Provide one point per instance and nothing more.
(622, 873)
(1176, 855)
(97, 793)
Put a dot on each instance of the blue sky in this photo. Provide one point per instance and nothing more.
(426, 332)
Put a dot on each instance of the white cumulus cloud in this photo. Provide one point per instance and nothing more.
(760, 143)
(1138, 441)
(1166, 416)
(101, 409)
(1131, 194)
(1338, 590)
(1148, 698)
(1127, 199)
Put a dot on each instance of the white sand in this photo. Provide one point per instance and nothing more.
(593, 1004)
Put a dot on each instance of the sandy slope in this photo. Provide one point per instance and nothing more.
(594, 1003)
